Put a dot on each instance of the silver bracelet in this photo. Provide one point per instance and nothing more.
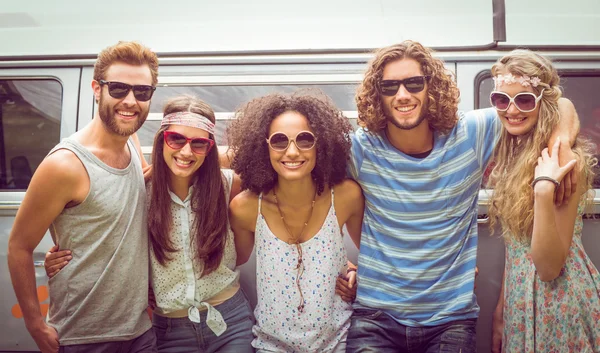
(554, 181)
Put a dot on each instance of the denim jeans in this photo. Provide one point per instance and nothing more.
(146, 343)
(181, 335)
(375, 331)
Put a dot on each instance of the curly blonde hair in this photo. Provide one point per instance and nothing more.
(515, 157)
(442, 93)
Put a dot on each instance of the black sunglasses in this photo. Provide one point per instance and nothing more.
(412, 84)
(119, 90)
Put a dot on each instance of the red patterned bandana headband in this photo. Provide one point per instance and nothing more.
(189, 119)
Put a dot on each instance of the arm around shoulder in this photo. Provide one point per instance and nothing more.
(236, 186)
(349, 199)
(243, 211)
(568, 126)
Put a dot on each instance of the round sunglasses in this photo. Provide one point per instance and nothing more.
(304, 140)
(119, 90)
(412, 84)
(199, 145)
(524, 101)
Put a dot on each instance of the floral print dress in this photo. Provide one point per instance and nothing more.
(562, 315)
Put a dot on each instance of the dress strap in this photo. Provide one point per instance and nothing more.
(259, 201)
(332, 198)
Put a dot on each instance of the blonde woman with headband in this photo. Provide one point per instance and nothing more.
(550, 299)
(199, 304)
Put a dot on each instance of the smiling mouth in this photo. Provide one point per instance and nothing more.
(292, 164)
(406, 108)
(515, 120)
(182, 162)
(126, 114)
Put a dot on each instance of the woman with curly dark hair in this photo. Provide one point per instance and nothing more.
(291, 153)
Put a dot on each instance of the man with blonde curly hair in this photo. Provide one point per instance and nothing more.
(420, 165)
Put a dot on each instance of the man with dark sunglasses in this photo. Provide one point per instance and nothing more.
(420, 165)
(89, 191)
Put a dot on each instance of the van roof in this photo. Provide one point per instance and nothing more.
(82, 28)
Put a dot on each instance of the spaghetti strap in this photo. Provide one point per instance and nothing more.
(259, 202)
(332, 198)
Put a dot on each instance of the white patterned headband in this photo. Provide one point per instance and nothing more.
(509, 79)
(189, 119)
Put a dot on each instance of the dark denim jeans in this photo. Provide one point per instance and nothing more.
(182, 335)
(375, 331)
(145, 343)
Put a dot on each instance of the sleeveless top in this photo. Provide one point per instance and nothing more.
(177, 285)
(326, 317)
(102, 294)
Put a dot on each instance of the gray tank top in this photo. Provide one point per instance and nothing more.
(102, 294)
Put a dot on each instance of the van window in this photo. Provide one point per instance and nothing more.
(30, 112)
(581, 88)
(226, 99)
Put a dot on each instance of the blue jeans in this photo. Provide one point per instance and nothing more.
(146, 343)
(181, 335)
(375, 331)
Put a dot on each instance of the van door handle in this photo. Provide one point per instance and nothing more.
(483, 219)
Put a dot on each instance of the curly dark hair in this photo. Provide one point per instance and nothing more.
(442, 92)
(249, 131)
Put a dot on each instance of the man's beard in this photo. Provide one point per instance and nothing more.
(107, 115)
(408, 126)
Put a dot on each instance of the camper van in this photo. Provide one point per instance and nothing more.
(230, 52)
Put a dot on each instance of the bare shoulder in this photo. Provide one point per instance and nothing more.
(61, 176)
(565, 104)
(348, 191)
(244, 207)
(63, 166)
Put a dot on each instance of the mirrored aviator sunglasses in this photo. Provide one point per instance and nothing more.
(199, 145)
(412, 84)
(524, 101)
(118, 90)
(304, 140)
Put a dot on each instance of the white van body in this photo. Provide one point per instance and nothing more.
(231, 51)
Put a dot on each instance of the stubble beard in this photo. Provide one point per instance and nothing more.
(107, 115)
(408, 126)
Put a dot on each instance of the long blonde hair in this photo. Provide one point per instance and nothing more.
(516, 156)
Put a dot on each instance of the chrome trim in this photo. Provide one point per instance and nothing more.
(9, 205)
(350, 114)
(201, 80)
(571, 52)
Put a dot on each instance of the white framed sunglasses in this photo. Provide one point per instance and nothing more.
(304, 140)
(524, 101)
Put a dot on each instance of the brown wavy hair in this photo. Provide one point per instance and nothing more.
(132, 53)
(516, 156)
(208, 201)
(249, 131)
(442, 92)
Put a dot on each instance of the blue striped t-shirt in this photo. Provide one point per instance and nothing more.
(419, 234)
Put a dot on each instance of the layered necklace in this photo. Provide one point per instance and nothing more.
(296, 241)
